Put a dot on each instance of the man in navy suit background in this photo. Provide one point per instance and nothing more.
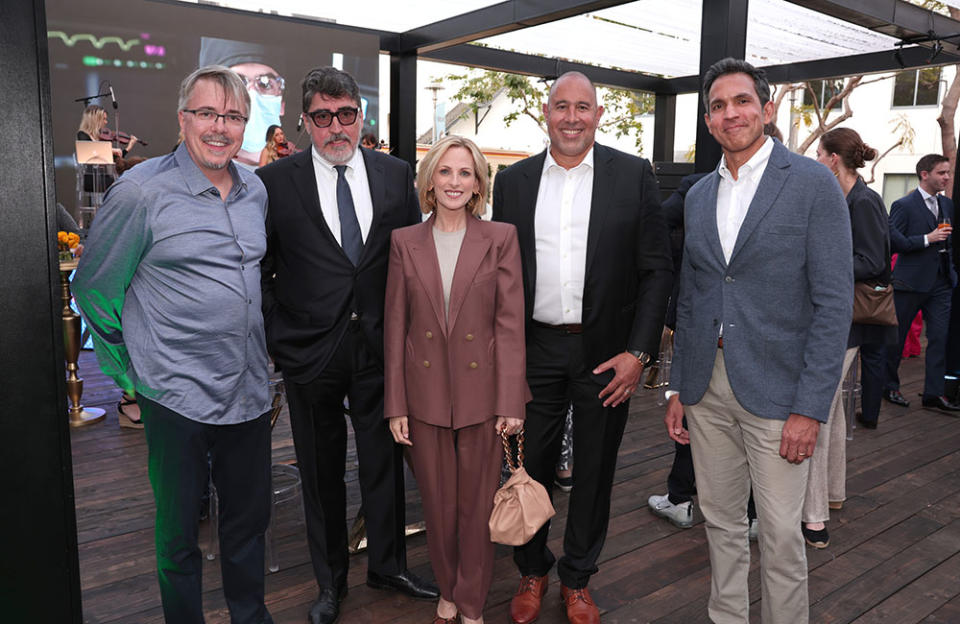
(924, 277)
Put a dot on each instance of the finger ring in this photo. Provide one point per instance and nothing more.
(802, 454)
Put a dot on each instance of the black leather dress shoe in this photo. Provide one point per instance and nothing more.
(326, 609)
(866, 424)
(896, 398)
(940, 403)
(406, 582)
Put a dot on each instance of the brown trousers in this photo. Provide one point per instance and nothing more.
(458, 472)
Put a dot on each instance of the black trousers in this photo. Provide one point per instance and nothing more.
(320, 439)
(872, 365)
(558, 375)
(179, 470)
(936, 315)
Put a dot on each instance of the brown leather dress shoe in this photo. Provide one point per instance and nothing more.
(525, 606)
(580, 607)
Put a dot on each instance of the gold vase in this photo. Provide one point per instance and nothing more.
(79, 416)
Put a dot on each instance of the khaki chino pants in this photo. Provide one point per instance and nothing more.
(732, 448)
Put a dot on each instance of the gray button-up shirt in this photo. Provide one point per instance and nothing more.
(169, 284)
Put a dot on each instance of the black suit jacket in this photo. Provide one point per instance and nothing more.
(629, 270)
(310, 287)
(917, 265)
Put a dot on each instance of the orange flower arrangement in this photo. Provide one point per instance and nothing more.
(66, 243)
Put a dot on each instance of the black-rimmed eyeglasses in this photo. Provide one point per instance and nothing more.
(207, 115)
(323, 118)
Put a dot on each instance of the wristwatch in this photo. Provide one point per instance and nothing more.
(642, 357)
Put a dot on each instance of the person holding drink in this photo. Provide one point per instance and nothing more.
(924, 278)
(455, 365)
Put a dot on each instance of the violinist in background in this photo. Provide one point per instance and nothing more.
(276, 147)
(93, 127)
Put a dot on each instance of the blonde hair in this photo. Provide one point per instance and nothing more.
(428, 201)
(90, 122)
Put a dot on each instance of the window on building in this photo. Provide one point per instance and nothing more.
(896, 185)
(824, 90)
(917, 87)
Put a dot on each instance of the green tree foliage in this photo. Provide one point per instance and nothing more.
(622, 108)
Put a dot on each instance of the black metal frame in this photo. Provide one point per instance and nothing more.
(40, 557)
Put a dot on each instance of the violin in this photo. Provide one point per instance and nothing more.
(123, 138)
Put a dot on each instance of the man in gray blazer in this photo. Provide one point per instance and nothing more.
(766, 291)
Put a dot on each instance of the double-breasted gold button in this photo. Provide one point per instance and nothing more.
(469, 337)
(473, 364)
(426, 363)
(429, 334)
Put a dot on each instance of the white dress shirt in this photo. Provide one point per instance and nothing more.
(356, 174)
(931, 203)
(561, 221)
(734, 196)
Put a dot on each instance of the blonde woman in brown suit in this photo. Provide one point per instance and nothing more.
(455, 366)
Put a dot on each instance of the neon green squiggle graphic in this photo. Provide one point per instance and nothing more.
(97, 42)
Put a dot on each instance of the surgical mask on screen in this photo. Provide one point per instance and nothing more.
(264, 112)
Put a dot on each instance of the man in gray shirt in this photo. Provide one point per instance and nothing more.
(170, 287)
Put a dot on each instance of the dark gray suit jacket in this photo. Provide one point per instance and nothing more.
(784, 300)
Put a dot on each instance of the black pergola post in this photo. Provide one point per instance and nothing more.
(723, 33)
(403, 106)
(39, 566)
(664, 126)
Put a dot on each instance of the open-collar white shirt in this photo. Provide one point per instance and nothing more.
(561, 222)
(734, 196)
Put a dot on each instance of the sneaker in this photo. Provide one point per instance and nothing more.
(680, 515)
(754, 531)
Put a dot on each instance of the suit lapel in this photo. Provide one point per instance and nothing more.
(305, 184)
(708, 219)
(472, 251)
(599, 199)
(774, 177)
(375, 179)
(423, 251)
(525, 218)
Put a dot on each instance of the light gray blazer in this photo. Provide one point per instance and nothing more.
(784, 301)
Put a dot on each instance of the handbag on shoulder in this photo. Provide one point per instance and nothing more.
(521, 506)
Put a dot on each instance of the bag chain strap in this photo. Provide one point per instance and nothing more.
(514, 466)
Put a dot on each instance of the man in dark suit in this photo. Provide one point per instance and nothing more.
(924, 277)
(597, 273)
(332, 209)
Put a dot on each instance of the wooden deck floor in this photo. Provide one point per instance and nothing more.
(894, 555)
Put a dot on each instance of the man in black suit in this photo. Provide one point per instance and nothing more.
(924, 277)
(332, 209)
(597, 274)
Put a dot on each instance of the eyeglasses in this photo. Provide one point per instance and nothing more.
(265, 84)
(207, 115)
(323, 118)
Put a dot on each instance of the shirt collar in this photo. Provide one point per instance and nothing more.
(550, 163)
(925, 195)
(355, 162)
(197, 182)
(757, 163)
